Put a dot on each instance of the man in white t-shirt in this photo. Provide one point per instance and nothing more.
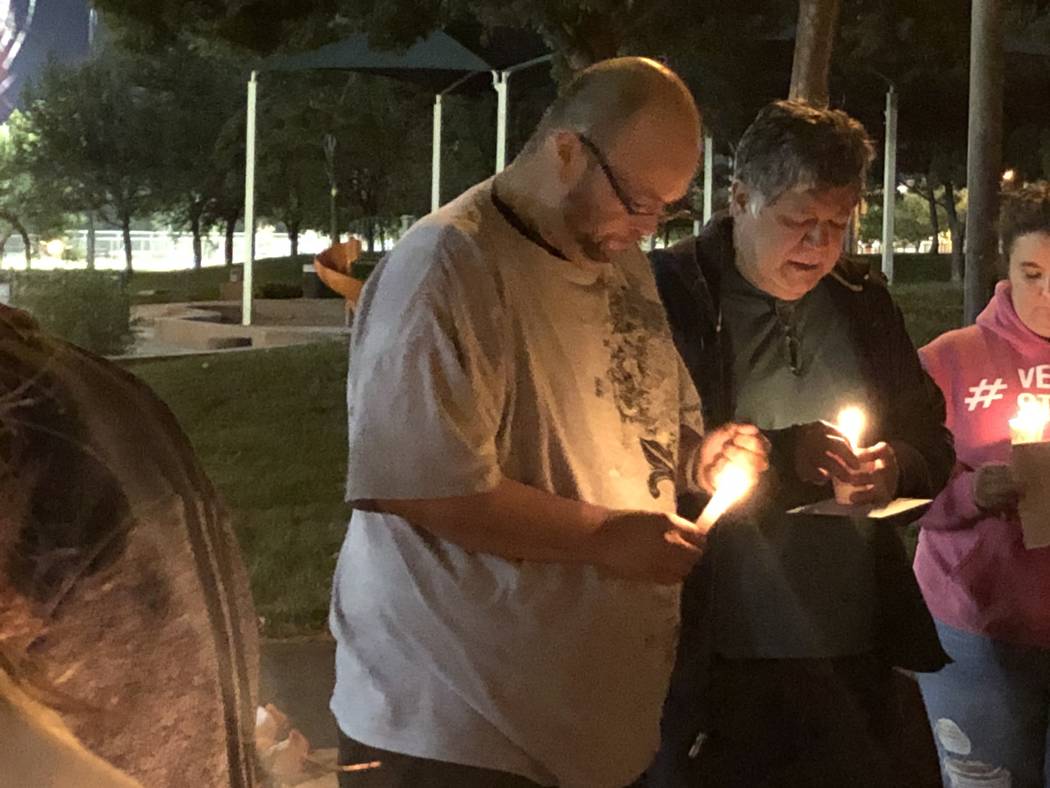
(506, 601)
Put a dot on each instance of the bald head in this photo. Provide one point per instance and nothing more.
(617, 148)
(609, 96)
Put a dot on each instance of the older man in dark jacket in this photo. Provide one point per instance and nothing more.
(791, 624)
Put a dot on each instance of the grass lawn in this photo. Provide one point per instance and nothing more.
(269, 427)
(930, 308)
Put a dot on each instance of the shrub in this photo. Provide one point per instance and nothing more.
(909, 268)
(279, 290)
(88, 308)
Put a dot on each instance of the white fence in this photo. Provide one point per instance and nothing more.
(153, 250)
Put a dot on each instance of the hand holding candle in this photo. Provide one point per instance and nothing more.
(1030, 467)
(732, 484)
(1029, 425)
(731, 459)
(851, 423)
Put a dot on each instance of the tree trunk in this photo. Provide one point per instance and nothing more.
(293, 237)
(3, 244)
(814, 40)
(231, 229)
(984, 154)
(125, 227)
(955, 228)
(935, 223)
(198, 247)
(91, 241)
(370, 233)
(27, 244)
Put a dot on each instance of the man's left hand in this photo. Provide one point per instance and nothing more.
(880, 484)
(741, 444)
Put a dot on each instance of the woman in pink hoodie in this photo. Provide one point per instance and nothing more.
(990, 709)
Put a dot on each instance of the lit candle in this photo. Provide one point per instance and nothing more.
(732, 484)
(851, 424)
(1029, 423)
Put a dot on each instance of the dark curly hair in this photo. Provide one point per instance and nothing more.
(1022, 211)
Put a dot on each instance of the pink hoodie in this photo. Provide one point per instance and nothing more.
(973, 568)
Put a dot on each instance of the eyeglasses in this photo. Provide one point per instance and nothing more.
(664, 212)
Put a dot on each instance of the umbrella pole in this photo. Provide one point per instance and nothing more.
(500, 81)
(435, 167)
(249, 202)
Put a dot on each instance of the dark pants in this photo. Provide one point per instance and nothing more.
(405, 771)
(821, 723)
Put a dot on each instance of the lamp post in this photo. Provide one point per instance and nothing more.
(501, 83)
(329, 143)
(249, 202)
(889, 183)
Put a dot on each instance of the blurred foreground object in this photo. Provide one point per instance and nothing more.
(122, 593)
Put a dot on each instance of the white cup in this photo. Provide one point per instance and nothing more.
(843, 490)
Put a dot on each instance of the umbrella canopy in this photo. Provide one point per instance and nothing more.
(434, 61)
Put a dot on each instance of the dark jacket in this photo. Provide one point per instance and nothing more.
(908, 413)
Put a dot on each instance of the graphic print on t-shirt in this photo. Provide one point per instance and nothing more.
(634, 321)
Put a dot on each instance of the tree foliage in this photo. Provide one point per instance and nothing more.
(91, 134)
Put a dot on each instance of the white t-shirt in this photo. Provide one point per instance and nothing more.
(475, 356)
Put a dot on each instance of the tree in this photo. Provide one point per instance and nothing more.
(912, 220)
(198, 99)
(27, 207)
(380, 175)
(92, 133)
(292, 187)
(814, 39)
(580, 32)
(227, 202)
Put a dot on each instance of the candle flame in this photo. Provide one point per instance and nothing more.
(732, 483)
(1029, 423)
(851, 423)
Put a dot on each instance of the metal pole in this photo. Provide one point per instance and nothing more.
(249, 202)
(91, 241)
(889, 184)
(500, 83)
(435, 166)
(709, 176)
(984, 156)
(328, 143)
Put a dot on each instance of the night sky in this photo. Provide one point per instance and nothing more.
(53, 28)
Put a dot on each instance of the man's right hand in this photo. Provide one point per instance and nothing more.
(648, 546)
(822, 453)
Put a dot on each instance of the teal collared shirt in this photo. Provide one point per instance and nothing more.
(787, 586)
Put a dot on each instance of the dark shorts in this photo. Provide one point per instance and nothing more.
(406, 771)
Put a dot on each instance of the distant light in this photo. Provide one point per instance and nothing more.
(902, 188)
(55, 248)
(1009, 176)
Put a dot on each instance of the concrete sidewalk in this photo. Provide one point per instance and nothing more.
(297, 677)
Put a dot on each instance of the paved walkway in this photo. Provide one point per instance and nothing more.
(297, 677)
(167, 330)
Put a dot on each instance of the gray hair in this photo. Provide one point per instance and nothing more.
(794, 145)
